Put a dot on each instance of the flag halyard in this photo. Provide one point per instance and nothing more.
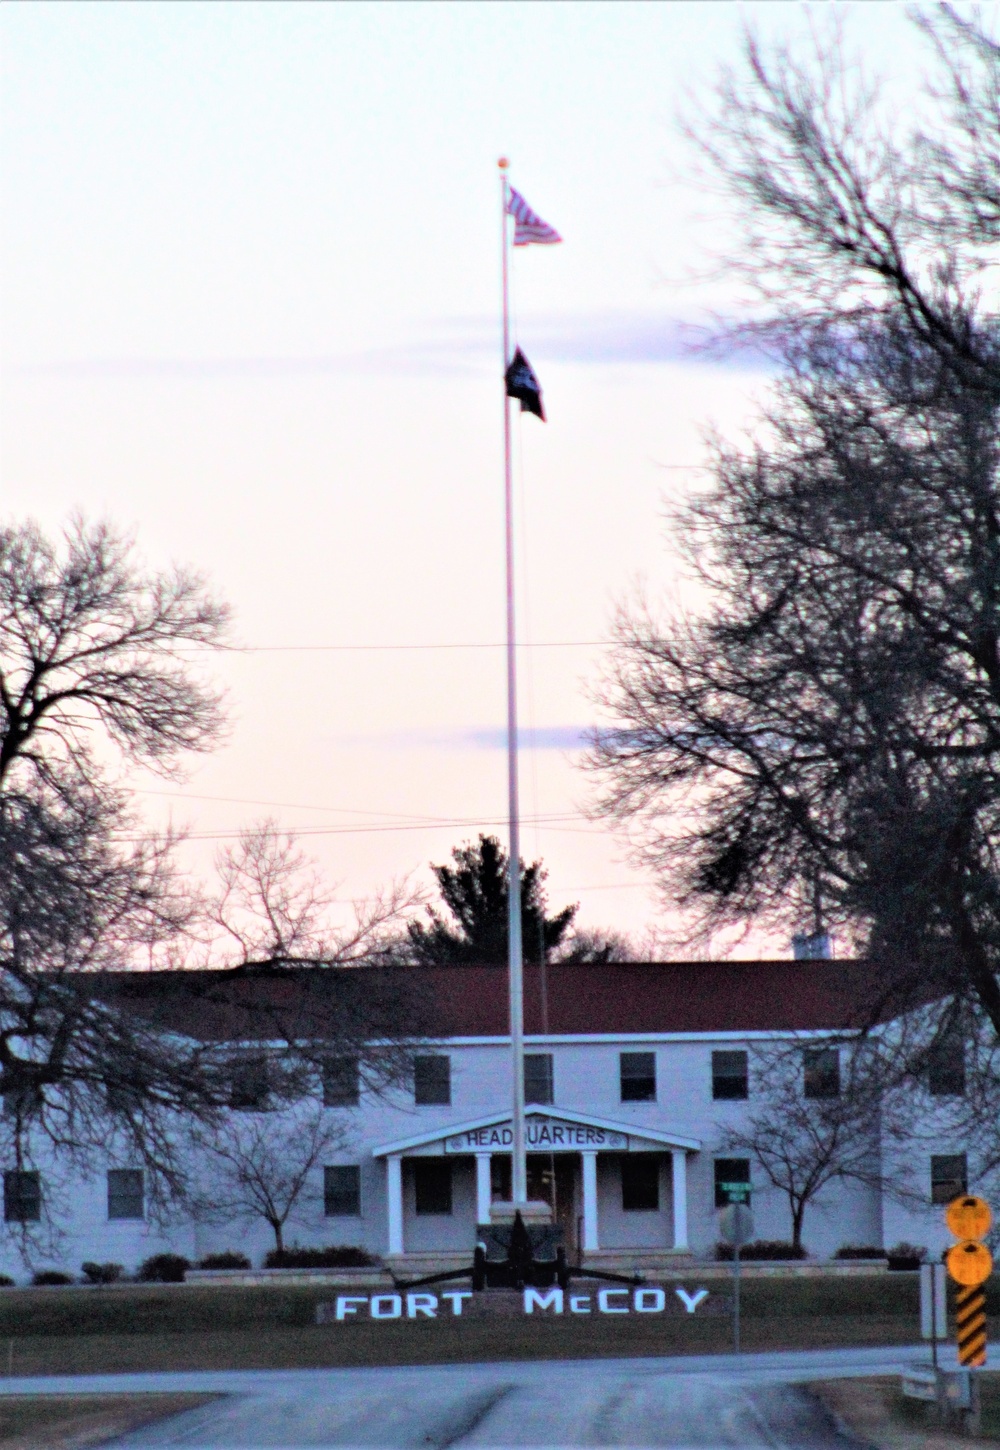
(524, 385)
(528, 225)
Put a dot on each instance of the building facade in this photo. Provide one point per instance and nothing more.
(633, 1074)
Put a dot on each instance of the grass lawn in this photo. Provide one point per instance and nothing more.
(880, 1415)
(73, 1422)
(45, 1331)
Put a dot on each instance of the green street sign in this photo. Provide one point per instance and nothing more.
(736, 1192)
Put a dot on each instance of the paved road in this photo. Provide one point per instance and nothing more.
(688, 1403)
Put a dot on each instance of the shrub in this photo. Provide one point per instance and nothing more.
(6, 1282)
(762, 1249)
(163, 1269)
(101, 1273)
(906, 1256)
(229, 1259)
(335, 1256)
(51, 1276)
(860, 1251)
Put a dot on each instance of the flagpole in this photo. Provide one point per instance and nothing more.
(515, 962)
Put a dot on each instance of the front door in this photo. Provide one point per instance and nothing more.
(552, 1179)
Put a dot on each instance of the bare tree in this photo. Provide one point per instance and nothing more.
(258, 1165)
(822, 740)
(848, 208)
(90, 667)
(271, 907)
(814, 1121)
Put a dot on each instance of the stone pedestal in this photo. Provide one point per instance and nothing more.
(533, 1211)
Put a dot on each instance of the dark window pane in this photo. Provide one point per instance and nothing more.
(432, 1081)
(125, 1197)
(729, 1075)
(821, 1068)
(248, 1088)
(946, 1068)
(23, 1102)
(500, 1178)
(538, 1077)
(949, 1177)
(342, 1191)
(432, 1185)
(123, 1098)
(341, 1086)
(638, 1077)
(640, 1182)
(22, 1197)
(732, 1181)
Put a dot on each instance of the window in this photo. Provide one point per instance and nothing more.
(123, 1097)
(125, 1199)
(821, 1068)
(732, 1181)
(248, 1086)
(501, 1190)
(638, 1077)
(342, 1191)
(341, 1083)
(949, 1177)
(22, 1197)
(432, 1082)
(432, 1185)
(946, 1067)
(538, 1077)
(640, 1182)
(729, 1075)
(22, 1102)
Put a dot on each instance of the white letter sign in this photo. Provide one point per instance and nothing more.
(552, 1300)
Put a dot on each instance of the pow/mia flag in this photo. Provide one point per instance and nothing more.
(523, 385)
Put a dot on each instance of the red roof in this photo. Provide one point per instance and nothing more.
(637, 997)
(618, 997)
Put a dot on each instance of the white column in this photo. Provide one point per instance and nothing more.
(679, 1179)
(589, 1201)
(394, 1186)
(483, 1188)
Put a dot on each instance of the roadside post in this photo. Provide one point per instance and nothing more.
(933, 1306)
(736, 1228)
(969, 1264)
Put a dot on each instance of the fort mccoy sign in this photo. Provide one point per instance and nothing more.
(505, 1303)
(542, 1135)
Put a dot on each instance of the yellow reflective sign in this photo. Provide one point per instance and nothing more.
(968, 1218)
(969, 1263)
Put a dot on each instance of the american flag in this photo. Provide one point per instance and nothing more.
(528, 225)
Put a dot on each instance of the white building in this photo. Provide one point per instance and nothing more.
(632, 1072)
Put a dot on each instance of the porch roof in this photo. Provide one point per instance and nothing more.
(587, 1120)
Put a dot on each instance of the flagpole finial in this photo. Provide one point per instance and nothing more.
(503, 163)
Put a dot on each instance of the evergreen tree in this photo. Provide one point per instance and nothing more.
(475, 893)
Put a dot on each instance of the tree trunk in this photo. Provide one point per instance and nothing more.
(798, 1212)
(279, 1242)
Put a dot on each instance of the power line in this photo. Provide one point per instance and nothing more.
(253, 649)
(431, 824)
(334, 810)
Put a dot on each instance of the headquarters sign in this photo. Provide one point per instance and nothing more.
(542, 1135)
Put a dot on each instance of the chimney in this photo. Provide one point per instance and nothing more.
(814, 946)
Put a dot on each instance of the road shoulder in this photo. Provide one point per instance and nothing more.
(78, 1422)
(872, 1409)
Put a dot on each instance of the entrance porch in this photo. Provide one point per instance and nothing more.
(612, 1187)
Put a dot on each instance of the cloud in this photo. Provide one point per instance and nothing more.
(452, 346)
(543, 737)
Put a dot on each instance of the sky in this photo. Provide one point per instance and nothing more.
(249, 312)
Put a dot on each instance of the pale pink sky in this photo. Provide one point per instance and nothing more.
(249, 303)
